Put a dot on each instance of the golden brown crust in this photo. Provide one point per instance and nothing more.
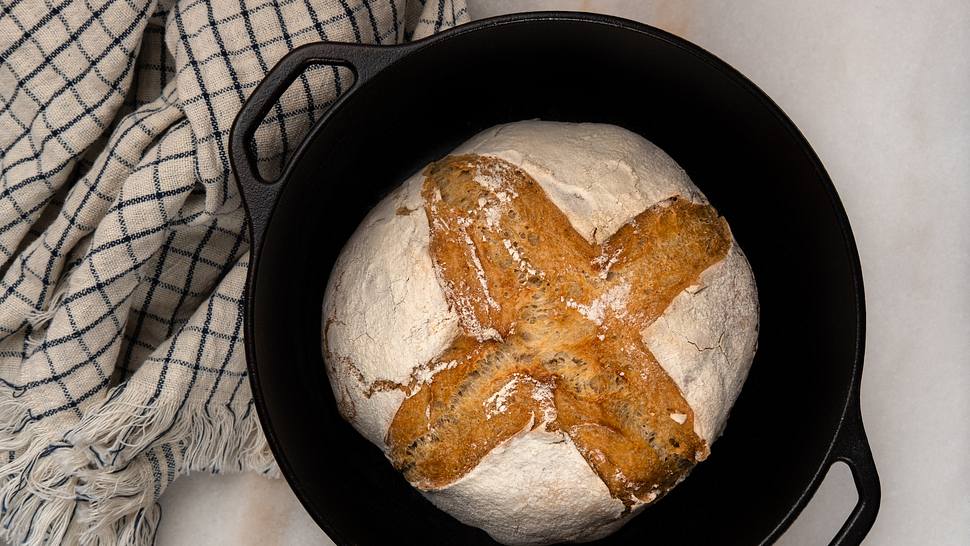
(552, 331)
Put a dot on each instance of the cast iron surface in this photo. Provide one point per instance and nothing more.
(799, 410)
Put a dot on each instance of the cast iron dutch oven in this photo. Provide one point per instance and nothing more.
(799, 410)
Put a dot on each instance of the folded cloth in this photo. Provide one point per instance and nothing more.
(123, 252)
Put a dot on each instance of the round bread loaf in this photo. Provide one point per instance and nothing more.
(544, 331)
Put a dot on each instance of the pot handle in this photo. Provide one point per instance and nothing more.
(852, 448)
(364, 61)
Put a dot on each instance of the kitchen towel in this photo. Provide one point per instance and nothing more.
(123, 252)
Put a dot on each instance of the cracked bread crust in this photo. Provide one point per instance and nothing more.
(536, 401)
(552, 327)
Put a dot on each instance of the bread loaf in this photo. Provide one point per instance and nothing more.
(544, 331)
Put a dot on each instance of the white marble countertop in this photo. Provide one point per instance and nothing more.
(882, 91)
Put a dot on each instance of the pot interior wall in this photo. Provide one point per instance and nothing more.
(755, 171)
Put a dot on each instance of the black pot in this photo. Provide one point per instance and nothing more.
(799, 410)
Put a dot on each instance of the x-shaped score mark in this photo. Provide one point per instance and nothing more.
(551, 331)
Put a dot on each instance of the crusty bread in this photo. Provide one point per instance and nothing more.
(544, 331)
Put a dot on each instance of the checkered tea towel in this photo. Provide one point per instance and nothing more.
(122, 245)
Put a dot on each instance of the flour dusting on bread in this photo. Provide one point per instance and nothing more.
(504, 353)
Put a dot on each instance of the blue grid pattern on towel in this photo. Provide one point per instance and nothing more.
(123, 252)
